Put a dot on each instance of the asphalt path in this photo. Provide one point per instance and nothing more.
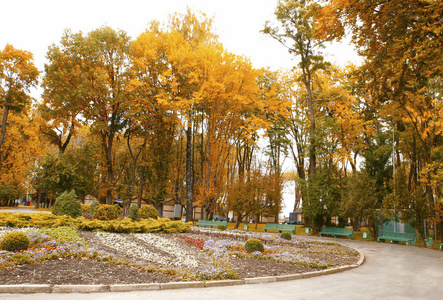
(389, 272)
(23, 210)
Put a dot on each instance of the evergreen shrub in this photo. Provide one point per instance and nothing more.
(253, 245)
(106, 212)
(15, 241)
(147, 212)
(133, 210)
(94, 205)
(67, 204)
(286, 236)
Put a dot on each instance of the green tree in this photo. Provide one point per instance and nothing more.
(361, 203)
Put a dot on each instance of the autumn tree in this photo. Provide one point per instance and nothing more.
(87, 79)
(401, 42)
(152, 117)
(17, 75)
(193, 31)
(297, 33)
(18, 154)
(246, 196)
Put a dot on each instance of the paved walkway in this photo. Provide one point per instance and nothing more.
(23, 210)
(389, 272)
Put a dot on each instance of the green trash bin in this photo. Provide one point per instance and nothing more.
(307, 230)
(429, 242)
(246, 227)
(365, 235)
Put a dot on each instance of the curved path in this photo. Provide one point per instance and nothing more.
(389, 272)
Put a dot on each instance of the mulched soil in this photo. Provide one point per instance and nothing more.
(89, 271)
(83, 271)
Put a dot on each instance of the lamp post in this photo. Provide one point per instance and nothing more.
(393, 170)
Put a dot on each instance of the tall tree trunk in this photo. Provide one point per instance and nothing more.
(4, 121)
(140, 188)
(109, 140)
(189, 187)
(39, 198)
(312, 156)
(239, 219)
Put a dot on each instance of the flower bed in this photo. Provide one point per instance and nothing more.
(200, 254)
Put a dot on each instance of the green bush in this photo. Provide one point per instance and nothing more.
(15, 241)
(286, 236)
(147, 212)
(67, 204)
(221, 227)
(106, 212)
(133, 210)
(94, 205)
(253, 245)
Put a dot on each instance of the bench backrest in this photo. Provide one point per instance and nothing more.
(212, 223)
(276, 226)
(338, 230)
(410, 236)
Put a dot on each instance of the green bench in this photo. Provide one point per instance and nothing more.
(210, 223)
(441, 246)
(335, 231)
(396, 237)
(280, 227)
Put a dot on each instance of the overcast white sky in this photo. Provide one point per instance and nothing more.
(34, 25)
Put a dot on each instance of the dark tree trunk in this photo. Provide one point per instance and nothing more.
(189, 188)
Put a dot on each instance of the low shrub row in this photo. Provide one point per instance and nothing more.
(45, 220)
(161, 225)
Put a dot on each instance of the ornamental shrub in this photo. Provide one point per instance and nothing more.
(106, 212)
(67, 204)
(94, 205)
(253, 245)
(86, 208)
(286, 236)
(221, 227)
(146, 212)
(118, 208)
(133, 210)
(15, 241)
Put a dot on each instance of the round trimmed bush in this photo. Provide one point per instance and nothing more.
(147, 212)
(253, 245)
(67, 204)
(105, 212)
(221, 227)
(15, 241)
(94, 205)
(133, 210)
(286, 236)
